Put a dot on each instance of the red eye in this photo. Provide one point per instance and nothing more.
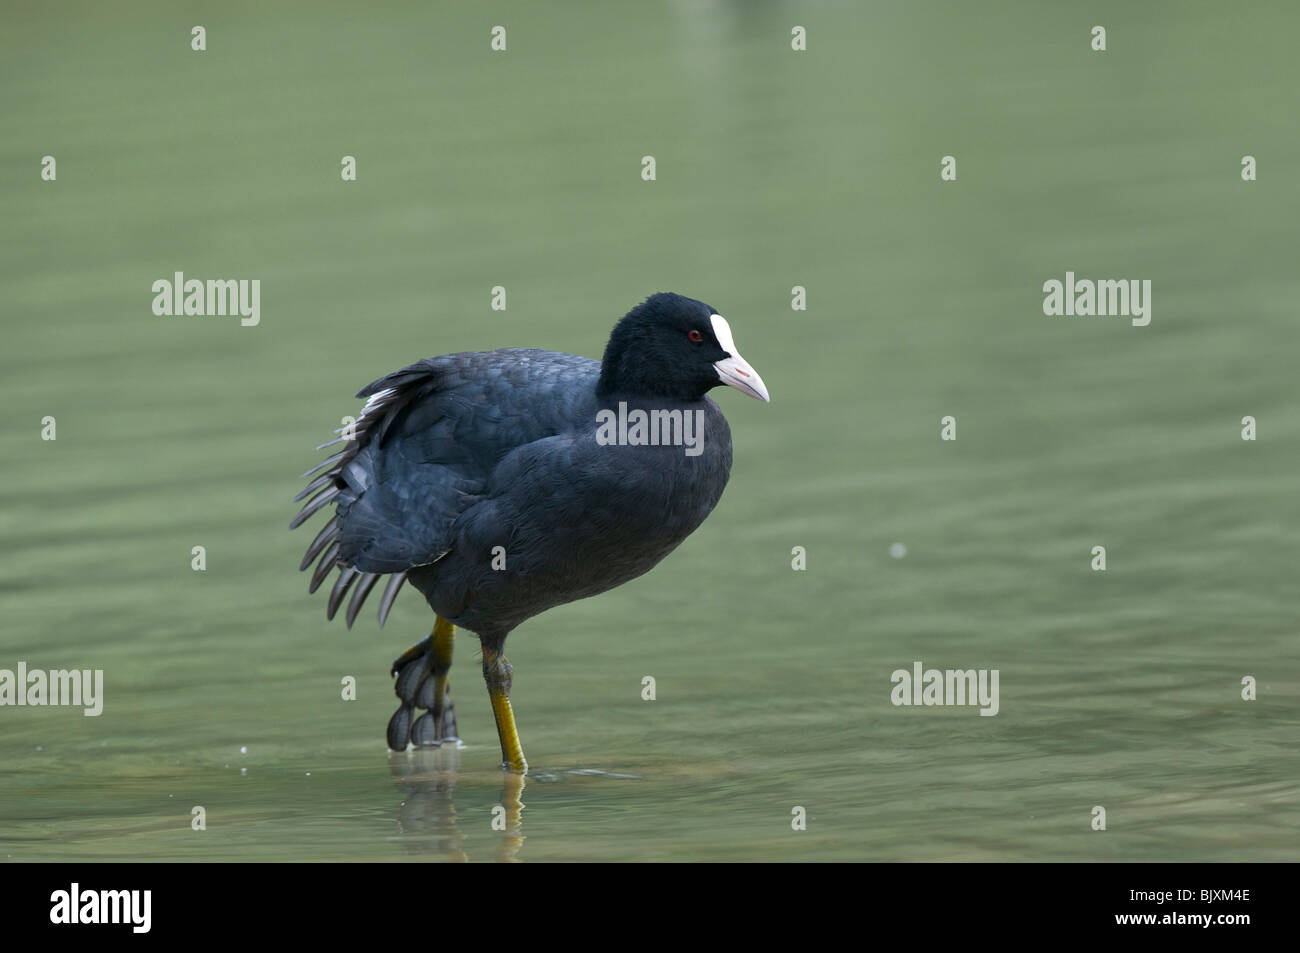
(695, 336)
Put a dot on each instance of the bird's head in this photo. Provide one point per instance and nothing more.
(675, 347)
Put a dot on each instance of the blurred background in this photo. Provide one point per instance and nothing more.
(775, 168)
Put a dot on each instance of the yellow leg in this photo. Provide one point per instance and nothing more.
(497, 674)
(420, 668)
(443, 634)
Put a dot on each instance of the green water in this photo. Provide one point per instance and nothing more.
(1119, 689)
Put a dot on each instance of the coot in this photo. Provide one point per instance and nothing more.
(502, 483)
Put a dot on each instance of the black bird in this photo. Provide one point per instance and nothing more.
(502, 483)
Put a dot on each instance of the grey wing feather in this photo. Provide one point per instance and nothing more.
(422, 452)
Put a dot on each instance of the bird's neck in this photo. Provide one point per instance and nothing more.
(634, 379)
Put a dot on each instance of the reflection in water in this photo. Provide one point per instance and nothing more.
(427, 778)
(512, 793)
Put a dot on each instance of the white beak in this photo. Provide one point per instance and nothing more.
(734, 371)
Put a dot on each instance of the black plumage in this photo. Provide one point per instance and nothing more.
(488, 481)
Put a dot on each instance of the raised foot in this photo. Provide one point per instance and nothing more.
(421, 684)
